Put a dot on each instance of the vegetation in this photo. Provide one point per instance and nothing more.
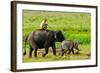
(75, 26)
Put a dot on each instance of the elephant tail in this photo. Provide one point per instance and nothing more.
(25, 45)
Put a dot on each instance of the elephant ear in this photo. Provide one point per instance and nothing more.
(59, 36)
(59, 32)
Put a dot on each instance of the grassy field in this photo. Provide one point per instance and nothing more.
(75, 26)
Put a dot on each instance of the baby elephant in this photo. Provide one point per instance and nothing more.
(68, 45)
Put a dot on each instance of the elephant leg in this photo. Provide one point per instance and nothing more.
(46, 52)
(35, 52)
(30, 52)
(54, 50)
(65, 52)
(69, 51)
(72, 51)
(62, 52)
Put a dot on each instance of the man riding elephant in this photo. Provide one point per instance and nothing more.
(41, 39)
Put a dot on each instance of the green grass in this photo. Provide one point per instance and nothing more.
(50, 57)
(75, 26)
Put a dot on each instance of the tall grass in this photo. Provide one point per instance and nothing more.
(75, 26)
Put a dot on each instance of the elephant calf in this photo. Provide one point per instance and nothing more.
(69, 46)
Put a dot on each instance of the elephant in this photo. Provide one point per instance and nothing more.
(69, 46)
(43, 39)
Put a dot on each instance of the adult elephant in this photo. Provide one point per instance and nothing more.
(43, 39)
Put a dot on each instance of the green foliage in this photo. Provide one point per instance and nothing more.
(75, 26)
